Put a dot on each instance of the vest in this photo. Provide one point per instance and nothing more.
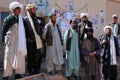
(68, 42)
(49, 37)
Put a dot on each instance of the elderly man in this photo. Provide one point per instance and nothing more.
(15, 41)
(91, 50)
(34, 39)
(111, 51)
(54, 49)
(84, 24)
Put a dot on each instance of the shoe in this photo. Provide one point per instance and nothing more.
(58, 72)
(68, 78)
(77, 78)
(18, 76)
(51, 72)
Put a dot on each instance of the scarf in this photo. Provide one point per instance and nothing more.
(37, 37)
(113, 60)
(115, 32)
(21, 37)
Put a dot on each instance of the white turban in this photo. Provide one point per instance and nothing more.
(108, 27)
(29, 6)
(14, 5)
(114, 15)
(84, 14)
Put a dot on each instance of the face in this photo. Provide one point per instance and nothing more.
(17, 11)
(89, 33)
(114, 19)
(73, 24)
(108, 31)
(84, 18)
(33, 10)
(53, 19)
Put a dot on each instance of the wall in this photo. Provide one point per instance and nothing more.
(113, 7)
(100, 10)
(93, 7)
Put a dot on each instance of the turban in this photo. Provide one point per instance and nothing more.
(84, 14)
(29, 6)
(114, 16)
(108, 27)
(88, 29)
(51, 14)
(14, 5)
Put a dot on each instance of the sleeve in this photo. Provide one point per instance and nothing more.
(117, 46)
(5, 26)
(98, 49)
(84, 50)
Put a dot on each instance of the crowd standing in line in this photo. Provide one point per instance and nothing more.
(24, 36)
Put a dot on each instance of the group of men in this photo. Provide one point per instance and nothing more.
(24, 37)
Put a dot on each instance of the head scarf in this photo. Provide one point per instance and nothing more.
(88, 29)
(108, 27)
(29, 6)
(114, 16)
(14, 5)
(84, 14)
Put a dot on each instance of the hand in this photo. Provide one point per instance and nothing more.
(91, 54)
(104, 41)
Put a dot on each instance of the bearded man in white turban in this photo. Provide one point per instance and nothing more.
(110, 54)
(85, 23)
(15, 41)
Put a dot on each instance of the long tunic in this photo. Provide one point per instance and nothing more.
(73, 55)
(12, 59)
(54, 53)
(109, 70)
(92, 66)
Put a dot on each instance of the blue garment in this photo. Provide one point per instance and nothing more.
(73, 55)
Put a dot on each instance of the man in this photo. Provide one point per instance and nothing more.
(34, 39)
(115, 25)
(54, 45)
(91, 50)
(72, 41)
(15, 41)
(84, 24)
(110, 53)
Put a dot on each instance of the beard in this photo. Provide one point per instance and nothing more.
(90, 36)
(53, 21)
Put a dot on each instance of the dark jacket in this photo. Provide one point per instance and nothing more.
(106, 47)
(30, 37)
(112, 24)
(9, 21)
(89, 24)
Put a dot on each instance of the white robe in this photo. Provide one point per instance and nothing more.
(13, 59)
(54, 53)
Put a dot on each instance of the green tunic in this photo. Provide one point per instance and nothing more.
(9, 21)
